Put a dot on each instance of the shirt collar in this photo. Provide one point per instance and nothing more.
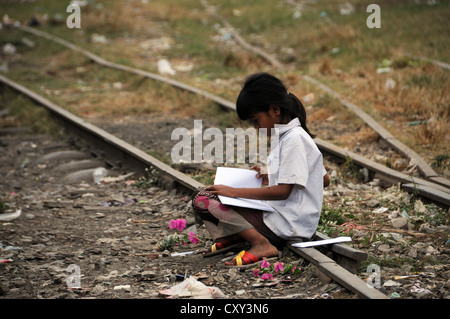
(283, 128)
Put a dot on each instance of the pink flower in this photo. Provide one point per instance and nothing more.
(179, 224)
(265, 264)
(278, 267)
(256, 272)
(266, 276)
(193, 238)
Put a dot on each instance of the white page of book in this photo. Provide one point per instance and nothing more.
(240, 178)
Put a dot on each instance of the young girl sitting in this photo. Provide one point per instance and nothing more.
(294, 181)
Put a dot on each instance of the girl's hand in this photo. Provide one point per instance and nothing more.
(261, 174)
(222, 190)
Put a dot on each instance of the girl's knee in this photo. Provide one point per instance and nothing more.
(201, 202)
(202, 199)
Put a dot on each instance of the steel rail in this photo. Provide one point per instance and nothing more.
(99, 60)
(122, 154)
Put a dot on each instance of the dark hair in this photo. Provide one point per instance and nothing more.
(260, 91)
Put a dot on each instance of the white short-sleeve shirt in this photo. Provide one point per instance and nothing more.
(295, 159)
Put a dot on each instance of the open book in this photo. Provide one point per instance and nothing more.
(240, 178)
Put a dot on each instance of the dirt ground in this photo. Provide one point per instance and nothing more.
(108, 235)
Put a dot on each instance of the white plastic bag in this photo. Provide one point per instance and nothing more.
(191, 287)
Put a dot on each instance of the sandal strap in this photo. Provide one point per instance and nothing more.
(220, 245)
(245, 258)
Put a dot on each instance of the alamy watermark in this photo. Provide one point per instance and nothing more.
(374, 19)
(374, 279)
(73, 281)
(229, 147)
(74, 19)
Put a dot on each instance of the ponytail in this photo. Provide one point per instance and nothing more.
(298, 110)
(260, 91)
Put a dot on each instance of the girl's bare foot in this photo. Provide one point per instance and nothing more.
(259, 251)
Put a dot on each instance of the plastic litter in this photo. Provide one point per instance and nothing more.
(5, 260)
(9, 49)
(191, 287)
(165, 68)
(394, 295)
(183, 253)
(99, 174)
(10, 216)
(347, 9)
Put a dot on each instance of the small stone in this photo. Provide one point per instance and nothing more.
(373, 203)
(380, 210)
(384, 248)
(123, 287)
(148, 275)
(391, 283)
(239, 292)
(419, 207)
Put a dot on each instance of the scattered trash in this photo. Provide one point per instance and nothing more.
(297, 14)
(99, 174)
(183, 253)
(28, 42)
(7, 217)
(384, 66)
(13, 248)
(80, 3)
(380, 210)
(394, 295)
(336, 240)
(118, 85)
(190, 287)
(405, 277)
(391, 283)
(160, 44)
(347, 9)
(183, 66)
(5, 260)
(117, 179)
(383, 70)
(9, 49)
(165, 68)
(414, 123)
(309, 98)
(419, 207)
(123, 287)
(226, 36)
(335, 51)
(97, 38)
(390, 84)
(420, 292)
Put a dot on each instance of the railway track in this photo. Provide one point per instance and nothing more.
(431, 186)
(125, 156)
(122, 154)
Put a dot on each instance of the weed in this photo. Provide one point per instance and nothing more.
(3, 206)
(150, 179)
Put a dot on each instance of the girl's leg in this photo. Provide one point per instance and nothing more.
(222, 222)
(226, 223)
(260, 245)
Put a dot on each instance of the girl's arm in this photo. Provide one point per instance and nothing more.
(276, 192)
(326, 180)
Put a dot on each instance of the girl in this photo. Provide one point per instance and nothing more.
(295, 178)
